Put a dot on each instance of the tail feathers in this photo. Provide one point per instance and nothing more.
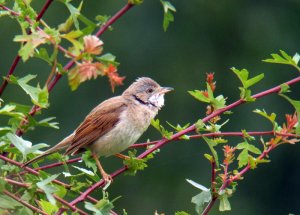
(61, 145)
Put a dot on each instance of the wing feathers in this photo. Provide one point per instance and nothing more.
(99, 122)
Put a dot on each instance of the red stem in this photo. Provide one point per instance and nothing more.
(104, 27)
(113, 19)
(234, 178)
(164, 141)
(17, 58)
(213, 176)
(73, 208)
(218, 134)
(43, 10)
(24, 202)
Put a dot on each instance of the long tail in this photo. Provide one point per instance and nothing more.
(61, 145)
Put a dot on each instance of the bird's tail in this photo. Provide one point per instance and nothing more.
(61, 145)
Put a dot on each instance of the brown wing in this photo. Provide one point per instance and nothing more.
(99, 121)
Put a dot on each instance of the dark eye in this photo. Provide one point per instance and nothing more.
(150, 90)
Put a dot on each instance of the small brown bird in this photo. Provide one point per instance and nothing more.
(114, 124)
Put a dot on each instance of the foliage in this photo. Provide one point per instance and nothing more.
(27, 190)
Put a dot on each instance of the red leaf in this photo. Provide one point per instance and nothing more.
(92, 44)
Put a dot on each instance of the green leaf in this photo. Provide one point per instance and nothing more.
(270, 117)
(211, 144)
(169, 9)
(209, 157)
(103, 207)
(224, 203)
(254, 80)
(48, 207)
(181, 213)
(107, 59)
(243, 76)
(296, 105)
(38, 96)
(32, 41)
(75, 12)
(42, 53)
(197, 94)
(284, 88)
(47, 123)
(24, 146)
(135, 164)
(200, 125)
(48, 188)
(9, 110)
(217, 103)
(89, 160)
(200, 200)
(8, 203)
(67, 25)
(71, 37)
(284, 58)
(165, 133)
(199, 186)
(254, 149)
(296, 58)
(3, 183)
(180, 128)
(243, 158)
(136, 2)
(89, 173)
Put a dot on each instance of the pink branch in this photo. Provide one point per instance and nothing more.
(164, 141)
(104, 27)
(17, 58)
(24, 202)
(20, 184)
(58, 76)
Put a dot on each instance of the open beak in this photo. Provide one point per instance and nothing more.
(164, 90)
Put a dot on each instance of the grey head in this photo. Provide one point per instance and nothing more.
(147, 91)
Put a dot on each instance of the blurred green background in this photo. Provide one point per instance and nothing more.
(207, 36)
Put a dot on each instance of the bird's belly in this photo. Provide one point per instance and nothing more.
(116, 140)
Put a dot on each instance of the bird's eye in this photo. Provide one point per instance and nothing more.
(150, 90)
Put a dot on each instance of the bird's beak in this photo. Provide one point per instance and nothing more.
(164, 90)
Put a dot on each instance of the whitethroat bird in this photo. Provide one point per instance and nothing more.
(115, 124)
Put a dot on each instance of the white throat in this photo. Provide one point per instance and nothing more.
(157, 100)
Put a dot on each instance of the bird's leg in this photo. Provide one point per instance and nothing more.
(124, 157)
(107, 178)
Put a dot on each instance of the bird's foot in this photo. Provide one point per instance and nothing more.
(124, 157)
(106, 177)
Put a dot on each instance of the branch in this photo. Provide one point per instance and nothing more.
(176, 136)
(102, 29)
(220, 134)
(68, 66)
(17, 58)
(228, 181)
(40, 29)
(24, 202)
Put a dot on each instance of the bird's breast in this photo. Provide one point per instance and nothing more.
(132, 124)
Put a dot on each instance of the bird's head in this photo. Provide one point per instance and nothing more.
(147, 92)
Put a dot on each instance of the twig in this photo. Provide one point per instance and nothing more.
(213, 176)
(17, 58)
(31, 170)
(102, 29)
(73, 208)
(41, 30)
(24, 202)
(221, 134)
(164, 141)
(237, 176)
